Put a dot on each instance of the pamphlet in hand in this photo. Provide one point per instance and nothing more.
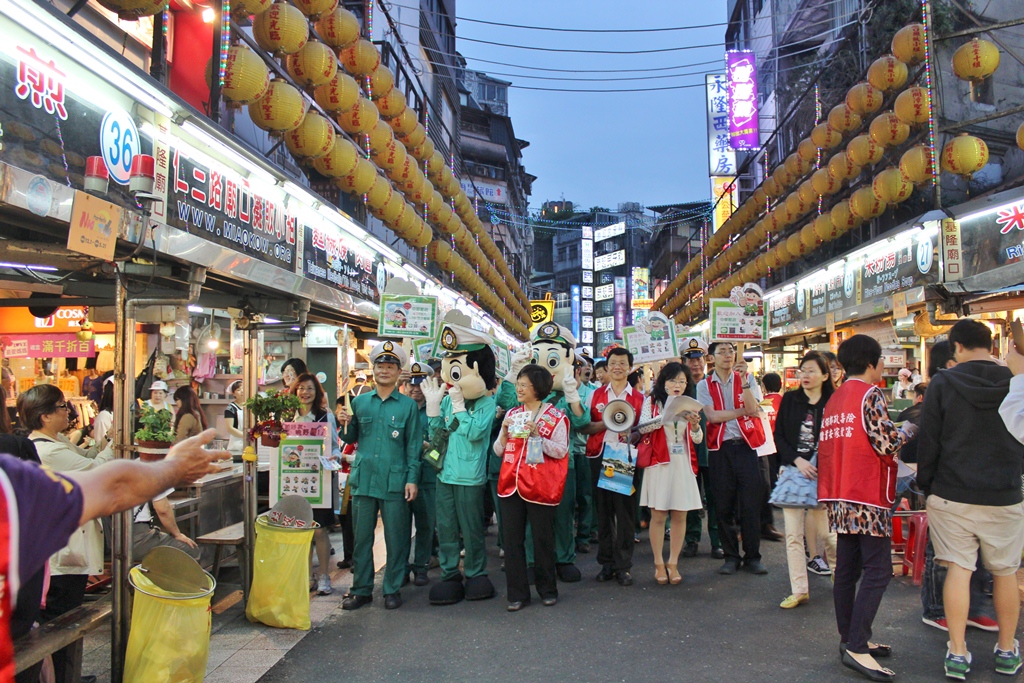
(330, 463)
(675, 406)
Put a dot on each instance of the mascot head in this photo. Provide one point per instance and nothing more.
(467, 360)
(554, 350)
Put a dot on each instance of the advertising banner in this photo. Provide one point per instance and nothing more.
(721, 156)
(741, 69)
(622, 316)
(575, 303)
(329, 259)
(610, 231)
(606, 261)
(725, 197)
(46, 346)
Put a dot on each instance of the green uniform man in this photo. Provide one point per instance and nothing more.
(578, 452)
(423, 508)
(553, 348)
(386, 426)
(466, 414)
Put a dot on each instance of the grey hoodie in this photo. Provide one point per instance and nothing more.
(965, 453)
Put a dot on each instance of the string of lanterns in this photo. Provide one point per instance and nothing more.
(757, 220)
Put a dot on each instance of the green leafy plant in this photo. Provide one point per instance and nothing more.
(155, 425)
(270, 410)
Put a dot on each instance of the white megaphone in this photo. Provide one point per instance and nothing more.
(618, 416)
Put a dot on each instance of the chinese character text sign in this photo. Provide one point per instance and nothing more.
(742, 74)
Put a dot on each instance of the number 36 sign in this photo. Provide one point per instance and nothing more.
(119, 142)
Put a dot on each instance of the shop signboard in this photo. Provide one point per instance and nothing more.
(301, 464)
(606, 324)
(610, 260)
(330, 259)
(952, 251)
(46, 346)
(587, 251)
(95, 225)
(541, 311)
(490, 192)
(575, 303)
(621, 306)
(741, 70)
(725, 197)
(609, 231)
(721, 156)
(989, 239)
(604, 292)
(406, 316)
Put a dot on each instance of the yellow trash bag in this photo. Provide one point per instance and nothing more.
(279, 595)
(170, 632)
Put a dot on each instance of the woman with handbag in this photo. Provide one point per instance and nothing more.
(797, 428)
(533, 445)
(668, 456)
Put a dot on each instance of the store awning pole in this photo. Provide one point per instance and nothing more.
(121, 548)
(250, 377)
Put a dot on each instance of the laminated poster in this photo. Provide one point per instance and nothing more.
(653, 339)
(299, 468)
(405, 316)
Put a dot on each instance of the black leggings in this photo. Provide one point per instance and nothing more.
(869, 559)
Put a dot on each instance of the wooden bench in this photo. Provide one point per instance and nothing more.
(229, 535)
(66, 631)
(186, 510)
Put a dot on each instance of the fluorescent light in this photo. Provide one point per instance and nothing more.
(195, 309)
(221, 146)
(272, 321)
(296, 328)
(27, 266)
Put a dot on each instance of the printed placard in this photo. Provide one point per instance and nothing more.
(731, 322)
(298, 467)
(422, 349)
(652, 340)
(404, 316)
(502, 357)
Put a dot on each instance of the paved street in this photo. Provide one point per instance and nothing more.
(709, 628)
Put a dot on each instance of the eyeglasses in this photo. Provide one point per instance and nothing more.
(679, 380)
(61, 406)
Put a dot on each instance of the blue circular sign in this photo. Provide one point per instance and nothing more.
(119, 143)
(925, 257)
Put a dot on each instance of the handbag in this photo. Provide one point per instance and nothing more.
(434, 452)
(645, 451)
(794, 490)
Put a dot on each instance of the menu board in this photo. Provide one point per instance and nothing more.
(407, 316)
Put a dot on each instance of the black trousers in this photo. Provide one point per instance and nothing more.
(515, 513)
(616, 523)
(737, 481)
(869, 559)
(67, 591)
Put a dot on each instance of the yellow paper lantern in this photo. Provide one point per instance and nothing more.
(434, 204)
(887, 73)
(382, 82)
(778, 219)
(780, 256)
(824, 136)
(440, 213)
(240, 9)
(339, 161)
(420, 235)
(133, 10)
(797, 207)
(759, 198)
(824, 183)
(424, 150)
(392, 104)
(246, 77)
(842, 167)
(404, 122)
(798, 165)
(783, 176)
(823, 228)
(864, 98)
(392, 155)
(843, 217)
(406, 221)
(436, 164)
(863, 150)
(759, 232)
(281, 108)
(975, 60)
(313, 65)
(392, 209)
(339, 95)
(314, 9)
(1020, 136)
(887, 129)
(891, 186)
(361, 118)
(915, 164)
(865, 204)
(772, 188)
(843, 119)
(415, 137)
(313, 138)
(807, 151)
(422, 195)
(281, 30)
(362, 178)
(964, 155)
(761, 263)
(406, 175)
(339, 28)
(380, 136)
(911, 106)
(908, 44)
(808, 237)
(808, 195)
(360, 58)
(379, 193)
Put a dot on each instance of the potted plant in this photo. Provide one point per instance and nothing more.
(155, 435)
(269, 411)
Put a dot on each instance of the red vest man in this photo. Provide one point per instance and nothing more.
(730, 397)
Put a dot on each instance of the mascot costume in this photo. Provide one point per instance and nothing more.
(553, 347)
(463, 419)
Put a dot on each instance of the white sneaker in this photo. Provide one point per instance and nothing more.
(818, 566)
(501, 553)
(324, 586)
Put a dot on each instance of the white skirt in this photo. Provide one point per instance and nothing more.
(671, 486)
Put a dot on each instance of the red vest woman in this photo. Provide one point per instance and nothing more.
(533, 445)
(857, 451)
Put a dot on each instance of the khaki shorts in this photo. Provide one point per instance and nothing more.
(958, 530)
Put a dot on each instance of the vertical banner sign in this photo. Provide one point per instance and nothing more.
(725, 196)
(743, 124)
(576, 311)
(952, 251)
(721, 157)
(621, 306)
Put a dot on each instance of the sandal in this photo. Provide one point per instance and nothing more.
(674, 577)
(659, 574)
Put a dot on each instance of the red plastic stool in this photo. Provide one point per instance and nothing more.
(915, 547)
(899, 542)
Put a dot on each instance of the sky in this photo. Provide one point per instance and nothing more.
(600, 149)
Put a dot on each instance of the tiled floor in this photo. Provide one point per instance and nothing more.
(241, 652)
